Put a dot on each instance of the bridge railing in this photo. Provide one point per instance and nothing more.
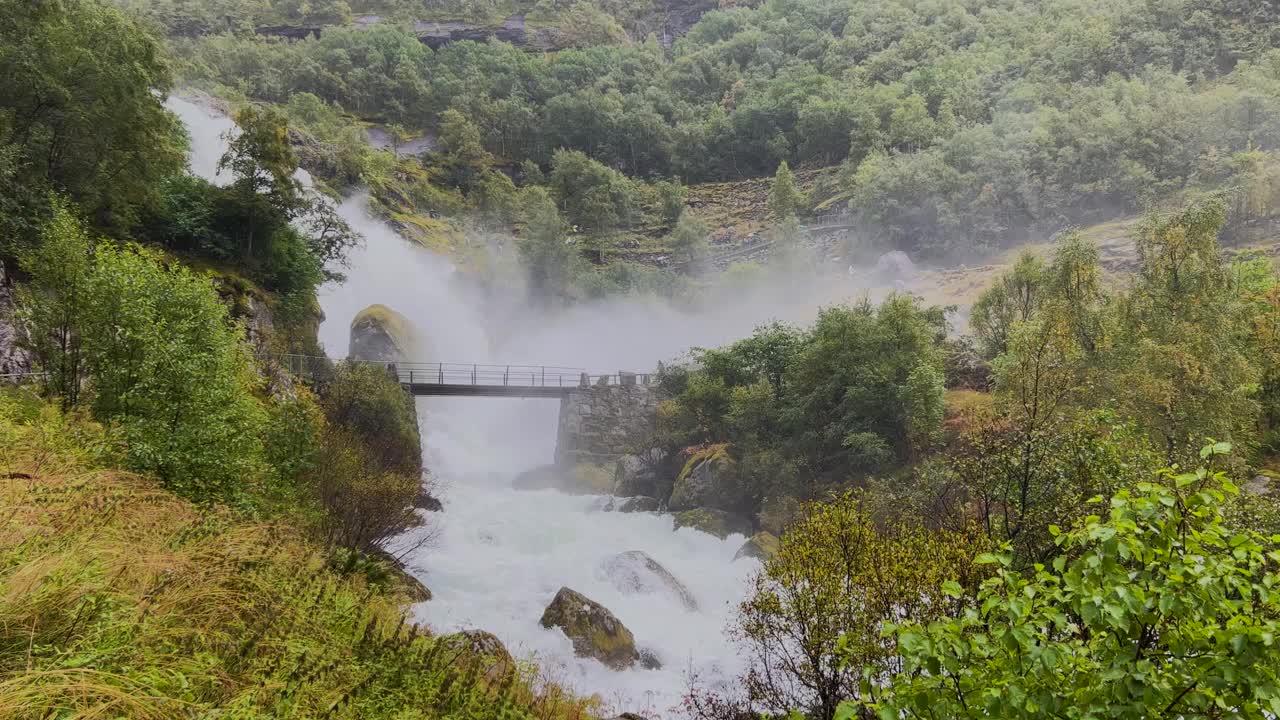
(428, 373)
(22, 378)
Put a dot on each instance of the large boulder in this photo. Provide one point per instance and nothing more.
(401, 578)
(636, 475)
(761, 546)
(478, 646)
(578, 479)
(424, 500)
(380, 334)
(705, 481)
(634, 572)
(894, 266)
(639, 504)
(713, 522)
(595, 632)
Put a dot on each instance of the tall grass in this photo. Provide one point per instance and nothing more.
(120, 600)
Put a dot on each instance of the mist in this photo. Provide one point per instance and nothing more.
(499, 555)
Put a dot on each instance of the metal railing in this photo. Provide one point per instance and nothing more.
(21, 378)
(475, 374)
(830, 220)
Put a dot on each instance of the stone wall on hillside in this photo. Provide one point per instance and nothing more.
(600, 423)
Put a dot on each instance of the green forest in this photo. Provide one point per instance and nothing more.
(1058, 501)
(951, 129)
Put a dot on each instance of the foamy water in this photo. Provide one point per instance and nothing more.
(500, 554)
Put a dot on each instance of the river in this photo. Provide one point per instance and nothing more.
(499, 555)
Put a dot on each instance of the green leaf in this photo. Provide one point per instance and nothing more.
(845, 711)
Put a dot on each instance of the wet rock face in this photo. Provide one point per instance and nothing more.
(640, 504)
(636, 573)
(713, 522)
(637, 475)
(14, 360)
(426, 501)
(704, 482)
(594, 631)
(760, 546)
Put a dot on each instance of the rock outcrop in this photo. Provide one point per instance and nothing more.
(407, 582)
(594, 631)
(713, 522)
(513, 30)
(638, 474)
(579, 479)
(704, 481)
(478, 646)
(424, 500)
(14, 361)
(634, 572)
(649, 660)
(760, 546)
(380, 334)
(639, 504)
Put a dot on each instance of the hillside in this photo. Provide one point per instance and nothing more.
(128, 601)
(950, 132)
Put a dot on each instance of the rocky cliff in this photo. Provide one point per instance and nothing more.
(13, 359)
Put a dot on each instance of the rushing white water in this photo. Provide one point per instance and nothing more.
(500, 555)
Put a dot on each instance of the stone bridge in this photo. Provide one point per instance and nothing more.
(602, 417)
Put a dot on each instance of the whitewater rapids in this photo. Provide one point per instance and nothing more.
(499, 554)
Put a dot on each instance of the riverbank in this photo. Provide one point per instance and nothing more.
(117, 598)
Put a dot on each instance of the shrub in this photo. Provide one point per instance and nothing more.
(811, 626)
(1159, 608)
(366, 506)
(365, 400)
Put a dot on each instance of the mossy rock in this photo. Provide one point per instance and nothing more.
(761, 546)
(594, 631)
(482, 648)
(380, 334)
(383, 569)
(580, 479)
(713, 522)
(593, 478)
(705, 480)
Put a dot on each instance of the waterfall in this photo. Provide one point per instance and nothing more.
(500, 555)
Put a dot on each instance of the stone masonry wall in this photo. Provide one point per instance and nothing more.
(602, 422)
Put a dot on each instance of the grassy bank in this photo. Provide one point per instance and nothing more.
(119, 599)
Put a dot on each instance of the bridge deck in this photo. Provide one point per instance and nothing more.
(462, 380)
(508, 391)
